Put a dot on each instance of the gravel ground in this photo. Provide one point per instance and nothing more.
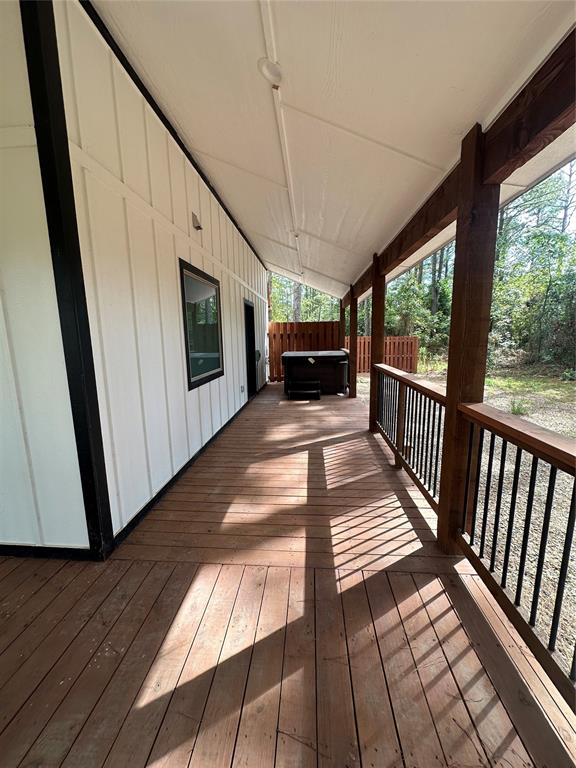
(549, 403)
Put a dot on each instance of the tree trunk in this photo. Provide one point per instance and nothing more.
(434, 287)
(297, 302)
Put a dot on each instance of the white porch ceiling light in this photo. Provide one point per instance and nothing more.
(270, 70)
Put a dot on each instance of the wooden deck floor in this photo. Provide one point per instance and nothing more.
(284, 604)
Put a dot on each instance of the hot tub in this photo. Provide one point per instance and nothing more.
(310, 374)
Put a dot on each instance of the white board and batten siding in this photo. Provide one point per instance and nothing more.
(135, 193)
(40, 492)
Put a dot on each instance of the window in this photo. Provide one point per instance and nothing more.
(202, 325)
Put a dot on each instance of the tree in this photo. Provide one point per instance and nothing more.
(289, 300)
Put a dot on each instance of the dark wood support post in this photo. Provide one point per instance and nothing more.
(470, 321)
(353, 363)
(377, 341)
(342, 326)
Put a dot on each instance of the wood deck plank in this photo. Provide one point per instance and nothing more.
(538, 734)
(337, 738)
(32, 717)
(496, 732)
(177, 734)
(24, 681)
(9, 631)
(296, 741)
(17, 599)
(420, 744)
(256, 740)
(216, 738)
(452, 722)
(52, 745)
(81, 587)
(97, 736)
(284, 604)
(136, 737)
(378, 738)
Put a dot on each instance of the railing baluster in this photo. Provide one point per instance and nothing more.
(434, 445)
(416, 437)
(511, 515)
(543, 543)
(467, 480)
(412, 434)
(438, 449)
(563, 570)
(477, 487)
(498, 504)
(420, 433)
(526, 535)
(427, 440)
(412, 419)
(406, 448)
(487, 493)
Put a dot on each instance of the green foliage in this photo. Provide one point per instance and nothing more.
(519, 408)
(418, 303)
(293, 302)
(534, 298)
(533, 317)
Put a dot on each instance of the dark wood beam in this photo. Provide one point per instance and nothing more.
(469, 326)
(377, 341)
(540, 113)
(342, 326)
(431, 218)
(353, 360)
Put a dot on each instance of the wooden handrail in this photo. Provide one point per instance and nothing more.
(544, 443)
(434, 391)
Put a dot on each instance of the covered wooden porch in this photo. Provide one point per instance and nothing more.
(284, 604)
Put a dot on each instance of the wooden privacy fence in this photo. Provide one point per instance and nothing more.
(401, 351)
(298, 337)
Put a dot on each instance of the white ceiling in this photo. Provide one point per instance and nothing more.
(374, 101)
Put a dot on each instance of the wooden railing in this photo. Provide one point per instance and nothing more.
(411, 420)
(517, 513)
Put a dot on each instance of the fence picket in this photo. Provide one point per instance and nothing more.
(400, 351)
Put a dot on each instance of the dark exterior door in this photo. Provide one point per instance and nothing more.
(250, 347)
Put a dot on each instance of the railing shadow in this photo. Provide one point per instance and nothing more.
(423, 629)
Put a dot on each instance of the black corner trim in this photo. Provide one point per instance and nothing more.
(53, 152)
(139, 516)
(120, 55)
(61, 553)
(69, 553)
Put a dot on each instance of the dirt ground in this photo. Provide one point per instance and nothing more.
(546, 400)
(534, 395)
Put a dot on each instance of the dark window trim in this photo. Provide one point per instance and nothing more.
(53, 153)
(131, 72)
(185, 266)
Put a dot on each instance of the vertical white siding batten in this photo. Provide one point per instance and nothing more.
(135, 224)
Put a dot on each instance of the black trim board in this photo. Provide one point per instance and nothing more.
(185, 266)
(139, 516)
(70, 553)
(100, 25)
(53, 153)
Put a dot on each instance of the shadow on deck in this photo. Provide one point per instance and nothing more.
(285, 604)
